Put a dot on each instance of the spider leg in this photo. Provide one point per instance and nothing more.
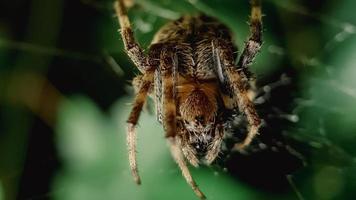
(216, 145)
(136, 54)
(190, 154)
(134, 51)
(253, 45)
(239, 84)
(178, 157)
(139, 101)
(238, 76)
(188, 151)
(168, 67)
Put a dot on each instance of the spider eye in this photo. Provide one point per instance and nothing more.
(200, 119)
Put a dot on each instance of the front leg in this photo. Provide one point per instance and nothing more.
(215, 147)
(132, 48)
(239, 85)
(245, 105)
(140, 98)
(188, 151)
(168, 66)
(253, 45)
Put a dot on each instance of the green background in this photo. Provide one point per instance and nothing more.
(65, 96)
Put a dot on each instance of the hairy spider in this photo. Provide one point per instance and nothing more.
(190, 71)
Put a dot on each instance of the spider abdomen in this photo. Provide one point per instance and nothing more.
(191, 38)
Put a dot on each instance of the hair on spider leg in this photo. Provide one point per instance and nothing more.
(191, 73)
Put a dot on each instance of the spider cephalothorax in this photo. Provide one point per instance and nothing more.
(190, 70)
(198, 111)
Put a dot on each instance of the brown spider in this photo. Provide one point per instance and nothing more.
(190, 71)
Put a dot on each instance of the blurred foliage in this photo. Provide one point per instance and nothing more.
(51, 51)
(1, 192)
(95, 159)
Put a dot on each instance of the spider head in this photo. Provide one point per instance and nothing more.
(198, 111)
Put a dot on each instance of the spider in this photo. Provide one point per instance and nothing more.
(191, 74)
